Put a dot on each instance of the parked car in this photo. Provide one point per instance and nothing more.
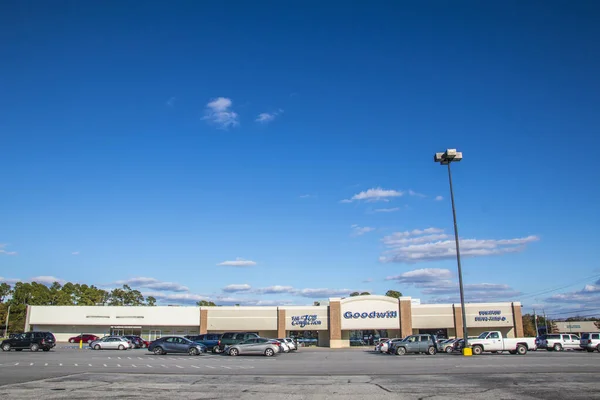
(85, 338)
(558, 342)
(268, 347)
(494, 342)
(291, 343)
(136, 341)
(422, 343)
(176, 344)
(447, 345)
(231, 338)
(33, 341)
(590, 341)
(212, 341)
(284, 345)
(111, 343)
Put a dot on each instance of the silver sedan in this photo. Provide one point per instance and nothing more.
(268, 347)
(110, 343)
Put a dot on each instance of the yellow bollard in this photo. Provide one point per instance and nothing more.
(467, 352)
(80, 343)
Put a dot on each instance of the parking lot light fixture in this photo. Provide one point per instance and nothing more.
(447, 158)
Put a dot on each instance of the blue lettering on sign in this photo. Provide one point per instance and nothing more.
(304, 320)
(490, 315)
(372, 314)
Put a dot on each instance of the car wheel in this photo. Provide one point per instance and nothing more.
(34, 347)
(97, 347)
(6, 347)
(521, 350)
(88, 341)
(215, 350)
(269, 352)
(431, 351)
(598, 348)
(193, 351)
(234, 352)
(401, 351)
(71, 340)
(158, 351)
(448, 349)
(477, 350)
(121, 347)
(557, 347)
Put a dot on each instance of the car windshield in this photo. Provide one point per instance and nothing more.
(483, 335)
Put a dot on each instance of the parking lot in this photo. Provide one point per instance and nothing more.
(347, 373)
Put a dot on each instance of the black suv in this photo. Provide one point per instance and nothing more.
(30, 340)
(137, 341)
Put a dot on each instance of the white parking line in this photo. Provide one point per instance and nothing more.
(16, 363)
(179, 366)
(46, 364)
(119, 358)
(129, 358)
(222, 366)
(30, 364)
(109, 358)
(148, 365)
(140, 358)
(134, 366)
(194, 366)
(119, 365)
(77, 365)
(208, 366)
(90, 365)
(60, 365)
(105, 365)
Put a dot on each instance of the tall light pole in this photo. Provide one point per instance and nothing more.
(447, 158)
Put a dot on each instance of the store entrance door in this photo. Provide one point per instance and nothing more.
(126, 330)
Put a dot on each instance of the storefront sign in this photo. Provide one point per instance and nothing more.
(372, 314)
(490, 315)
(304, 320)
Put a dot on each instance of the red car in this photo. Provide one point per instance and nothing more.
(85, 338)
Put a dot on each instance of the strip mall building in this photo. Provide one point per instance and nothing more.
(333, 325)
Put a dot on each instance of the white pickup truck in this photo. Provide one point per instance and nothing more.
(492, 341)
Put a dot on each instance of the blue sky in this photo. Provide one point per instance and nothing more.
(270, 153)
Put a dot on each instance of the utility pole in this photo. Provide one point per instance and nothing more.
(7, 317)
(546, 321)
(537, 333)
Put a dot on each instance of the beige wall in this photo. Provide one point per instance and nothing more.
(112, 316)
(431, 316)
(577, 326)
(221, 319)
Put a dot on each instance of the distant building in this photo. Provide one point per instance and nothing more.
(576, 326)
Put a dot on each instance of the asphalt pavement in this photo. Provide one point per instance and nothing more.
(309, 373)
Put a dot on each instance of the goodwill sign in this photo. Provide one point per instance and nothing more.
(372, 314)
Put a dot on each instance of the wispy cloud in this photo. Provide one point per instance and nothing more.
(10, 281)
(5, 252)
(153, 284)
(47, 280)
(386, 210)
(308, 196)
(277, 289)
(267, 117)
(171, 102)
(75, 253)
(234, 288)
(238, 262)
(374, 194)
(415, 194)
(368, 280)
(219, 113)
(590, 294)
(361, 230)
(432, 244)
(323, 292)
(439, 198)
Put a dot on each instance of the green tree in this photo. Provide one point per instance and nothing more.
(354, 294)
(528, 326)
(365, 294)
(205, 303)
(393, 293)
(5, 291)
(597, 323)
(150, 301)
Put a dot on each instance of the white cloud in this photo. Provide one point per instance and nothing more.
(590, 294)
(10, 281)
(308, 196)
(432, 244)
(6, 253)
(386, 210)
(415, 194)
(238, 262)
(171, 102)
(439, 198)
(153, 284)
(75, 253)
(219, 113)
(266, 117)
(422, 276)
(361, 230)
(47, 280)
(277, 289)
(237, 288)
(177, 298)
(322, 293)
(368, 280)
(374, 194)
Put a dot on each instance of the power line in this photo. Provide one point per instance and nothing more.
(546, 291)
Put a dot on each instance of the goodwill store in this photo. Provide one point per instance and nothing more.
(335, 324)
